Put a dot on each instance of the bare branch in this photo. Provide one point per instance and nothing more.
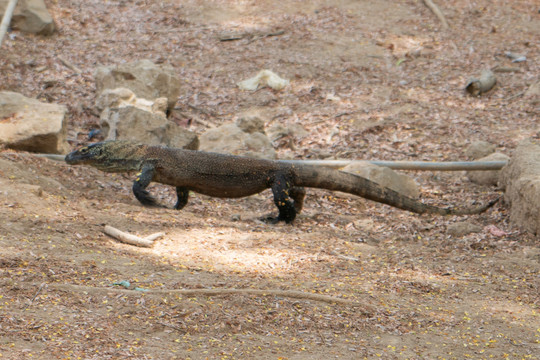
(435, 9)
(131, 239)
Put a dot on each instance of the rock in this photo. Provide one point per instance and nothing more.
(146, 79)
(30, 125)
(532, 253)
(533, 90)
(133, 123)
(230, 139)
(30, 16)
(385, 176)
(22, 174)
(127, 117)
(113, 98)
(122, 97)
(479, 149)
(251, 122)
(491, 177)
(278, 131)
(521, 181)
(298, 131)
(462, 228)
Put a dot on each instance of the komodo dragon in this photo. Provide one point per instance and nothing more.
(229, 176)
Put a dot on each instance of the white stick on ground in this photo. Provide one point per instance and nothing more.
(435, 9)
(132, 239)
(7, 19)
(293, 294)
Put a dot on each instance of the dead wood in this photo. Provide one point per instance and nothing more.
(483, 84)
(232, 36)
(435, 9)
(504, 69)
(69, 65)
(293, 294)
(131, 239)
(7, 19)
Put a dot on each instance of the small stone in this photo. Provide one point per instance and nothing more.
(479, 149)
(462, 228)
(251, 122)
(277, 131)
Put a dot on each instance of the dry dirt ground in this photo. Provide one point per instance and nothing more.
(369, 80)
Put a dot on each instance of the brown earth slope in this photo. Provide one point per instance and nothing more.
(369, 80)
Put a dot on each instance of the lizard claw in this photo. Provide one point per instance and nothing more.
(269, 219)
(273, 220)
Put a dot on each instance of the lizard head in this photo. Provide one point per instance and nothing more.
(109, 156)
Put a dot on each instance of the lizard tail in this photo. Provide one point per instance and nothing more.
(323, 178)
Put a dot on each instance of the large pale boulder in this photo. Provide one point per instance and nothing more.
(146, 79)
(479, 149)
(127, 117)
(28, 124)
(488, 177)
(385, 176)
(30, 16)
(231, 139)
(521, 181)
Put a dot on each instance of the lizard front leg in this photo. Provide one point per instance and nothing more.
(141, 183)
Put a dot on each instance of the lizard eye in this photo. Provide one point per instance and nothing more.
(84, 150)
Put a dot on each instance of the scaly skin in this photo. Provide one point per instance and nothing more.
(229, 176)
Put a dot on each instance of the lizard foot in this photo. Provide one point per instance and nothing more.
(150, 202)
(273, 220)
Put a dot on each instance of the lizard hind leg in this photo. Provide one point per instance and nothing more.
(183, 195)
(282, 189)
(298, 194)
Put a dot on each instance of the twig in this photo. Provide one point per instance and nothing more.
(516, 95)
(253, 36)
(171, 326)
(203, 122)
(202, 110)
(7, 19)
(197, 119)
(69, 65)
(131, 239)
(504, 69)
(344, 257)
(265, 35)
(36, 295)
(323, 340)
(232, 36)
(435, 9)
(220, 292)
(274, 33)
